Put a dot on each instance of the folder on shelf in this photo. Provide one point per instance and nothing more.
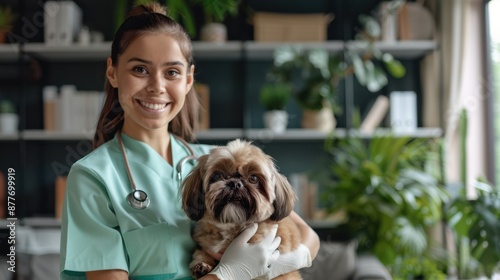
(51, 12)
(403, 111)
(60, 190)
(70, 19)
(63, 20)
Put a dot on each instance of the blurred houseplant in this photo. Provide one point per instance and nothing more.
(7, 18)
(9, 120)
(320, 73)
(215, 11)
(475, 222)
(274, 97)
(388, 199)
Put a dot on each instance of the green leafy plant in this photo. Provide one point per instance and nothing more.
(7, 17)
(274, 96)
(181, 11)
(320, 72)
(7, 107)
(475, 222)
(218, 10)
(387, 196)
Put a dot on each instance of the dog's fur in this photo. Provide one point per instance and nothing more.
(230, 189)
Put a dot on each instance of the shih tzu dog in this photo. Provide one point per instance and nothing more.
(230, 189)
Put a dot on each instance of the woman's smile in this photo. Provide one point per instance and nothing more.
(153, 106)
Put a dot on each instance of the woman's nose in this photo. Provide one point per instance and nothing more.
(156, 84)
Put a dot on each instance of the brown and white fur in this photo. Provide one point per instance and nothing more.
(231, 188)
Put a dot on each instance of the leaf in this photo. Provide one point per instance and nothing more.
(359, 69)
(394, 67)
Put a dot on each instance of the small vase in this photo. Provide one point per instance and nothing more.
(276, 120)
(322, 120)
(8, 123)
(214, 32)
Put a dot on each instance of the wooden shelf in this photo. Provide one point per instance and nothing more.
(400, 49)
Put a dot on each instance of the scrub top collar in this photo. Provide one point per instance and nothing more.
(138, 151)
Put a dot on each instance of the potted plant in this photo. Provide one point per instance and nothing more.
(8, 118)
(7, 18)
(320, 74)
(274, 97)
(387, 197)
(215, 12)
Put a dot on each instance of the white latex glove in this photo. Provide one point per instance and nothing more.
(291, 261)
(243, 260)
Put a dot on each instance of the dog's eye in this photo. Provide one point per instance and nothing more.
(253, 179)
(216, 177)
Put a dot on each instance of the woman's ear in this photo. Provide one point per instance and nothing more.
(111, 73)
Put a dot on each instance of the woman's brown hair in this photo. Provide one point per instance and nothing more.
(146, 19)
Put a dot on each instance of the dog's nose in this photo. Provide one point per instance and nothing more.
(235, 184)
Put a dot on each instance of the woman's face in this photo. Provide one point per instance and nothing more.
(153, 78)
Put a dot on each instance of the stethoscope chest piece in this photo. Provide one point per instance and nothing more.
(138, 199)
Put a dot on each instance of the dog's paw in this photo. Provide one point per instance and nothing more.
(201, 269)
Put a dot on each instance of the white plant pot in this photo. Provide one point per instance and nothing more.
(8, 123)
(214, 32)
(276, 120)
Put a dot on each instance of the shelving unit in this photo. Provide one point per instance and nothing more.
(234, 71)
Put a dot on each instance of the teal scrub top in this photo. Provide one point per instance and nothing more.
(100, 230)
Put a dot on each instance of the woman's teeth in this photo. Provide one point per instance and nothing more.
(153, 106)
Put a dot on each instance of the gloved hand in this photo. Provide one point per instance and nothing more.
(243, 260)
(290, 261)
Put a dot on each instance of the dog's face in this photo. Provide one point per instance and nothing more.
(237, 183)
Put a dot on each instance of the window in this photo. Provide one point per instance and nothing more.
(493, 10)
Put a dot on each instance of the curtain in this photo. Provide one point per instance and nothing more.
(464, 87)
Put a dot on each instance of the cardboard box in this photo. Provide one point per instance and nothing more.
(276, 27)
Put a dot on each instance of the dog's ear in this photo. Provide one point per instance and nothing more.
(285, 198)
(193, 196)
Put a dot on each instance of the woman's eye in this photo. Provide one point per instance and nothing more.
(173, 73)
(253, 179)
(140, 70)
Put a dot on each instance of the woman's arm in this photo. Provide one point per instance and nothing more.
(113, 274)
(309, 237)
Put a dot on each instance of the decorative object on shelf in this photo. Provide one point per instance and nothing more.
(215, 12)
(274, 97)
(388, 197)
(415, 22)
(9, 120)
(388, 16)
(7, 18)
(280, 27)
(321, 72)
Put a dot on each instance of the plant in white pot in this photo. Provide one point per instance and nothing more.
(274, 97)
(215, 12)
(8, 118)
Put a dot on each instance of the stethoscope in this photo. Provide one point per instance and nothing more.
(139, 199)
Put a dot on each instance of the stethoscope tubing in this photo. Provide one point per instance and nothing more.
(139, 199)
